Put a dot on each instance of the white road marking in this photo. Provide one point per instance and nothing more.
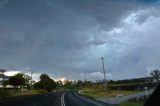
(88, 100)
(62, 100)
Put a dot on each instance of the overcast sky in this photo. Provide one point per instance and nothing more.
(67, 38)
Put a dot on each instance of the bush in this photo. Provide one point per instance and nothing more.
(42, 91)
(4, 93)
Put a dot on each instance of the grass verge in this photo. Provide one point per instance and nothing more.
(127, 103)
(99, 93)
(29, 92)
(17, 92)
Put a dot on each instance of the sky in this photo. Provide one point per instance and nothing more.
(67, 38)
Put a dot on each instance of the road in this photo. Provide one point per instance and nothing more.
(52, 99)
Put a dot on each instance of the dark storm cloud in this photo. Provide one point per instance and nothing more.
(64, 38)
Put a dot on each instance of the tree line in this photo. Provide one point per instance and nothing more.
(49, 84)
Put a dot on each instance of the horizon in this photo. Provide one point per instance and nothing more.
(36, 77)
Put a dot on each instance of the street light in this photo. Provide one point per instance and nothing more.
(104, 72)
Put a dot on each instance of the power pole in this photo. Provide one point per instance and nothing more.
(31, 78)
(104, 72)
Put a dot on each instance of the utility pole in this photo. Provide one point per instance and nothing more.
(31, 78)
(104, 72)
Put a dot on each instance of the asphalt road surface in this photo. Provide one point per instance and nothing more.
(52, 99)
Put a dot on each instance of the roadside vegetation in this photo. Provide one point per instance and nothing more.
(100, 93)
(127, 103)
(134, 102)
(21, 85)
(15, 92)
(45, 83)
(25, 93)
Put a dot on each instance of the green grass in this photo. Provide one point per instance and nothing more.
(126, 103)
(29, 92)
(139, 83)
(99, 92)
(17, 92)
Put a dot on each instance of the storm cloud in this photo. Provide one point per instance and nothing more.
(66, 39)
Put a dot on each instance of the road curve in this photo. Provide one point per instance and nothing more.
(52, 99)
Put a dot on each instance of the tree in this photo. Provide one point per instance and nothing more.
(45, 83)
(69, 84)
(79, 84)
(59, 83)
(17, 80)
(155, 74)
(5, 83)
(87, 83)
(27, 79)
